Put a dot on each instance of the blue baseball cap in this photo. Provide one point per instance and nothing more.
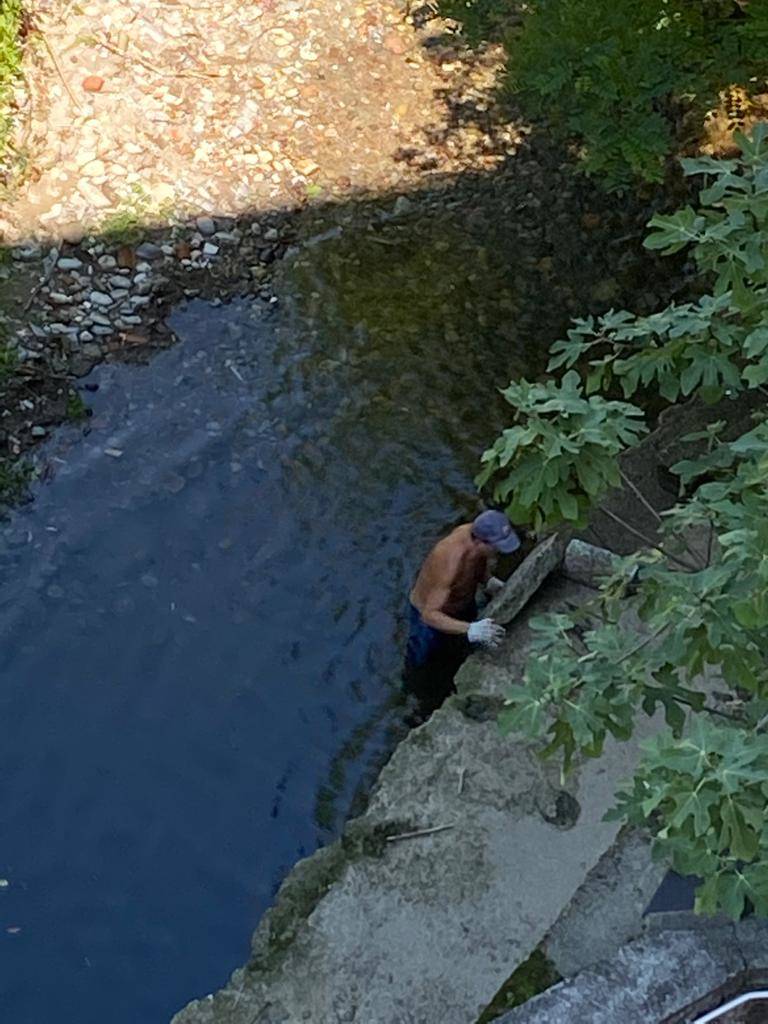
(495, 529)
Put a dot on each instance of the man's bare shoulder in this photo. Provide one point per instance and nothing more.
(452, 547)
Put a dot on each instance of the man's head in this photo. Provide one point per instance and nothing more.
(495, 529)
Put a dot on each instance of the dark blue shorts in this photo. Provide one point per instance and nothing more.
(426, 644)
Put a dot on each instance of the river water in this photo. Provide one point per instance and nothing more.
(201, 614)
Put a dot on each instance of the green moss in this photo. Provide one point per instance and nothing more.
(14, 481)
(76, 407)
(8, 360)
(535, 975)
(309, 881)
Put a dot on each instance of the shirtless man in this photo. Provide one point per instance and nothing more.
(443, 610)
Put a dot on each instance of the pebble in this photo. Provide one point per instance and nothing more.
(38, 432)
(93, 83)
(206, 226)
(120, 283)
(100, 299)
(103, 332)
(69, 263)
(107, 262)
(59, 299)
(94, 169)
(148, 251)
(209, 249)
(86, 336)
(26, 254)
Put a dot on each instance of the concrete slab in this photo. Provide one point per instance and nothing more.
(649, 981)
(607, 911)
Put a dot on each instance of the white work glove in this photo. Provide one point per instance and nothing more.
(485, 632)
(493, 586)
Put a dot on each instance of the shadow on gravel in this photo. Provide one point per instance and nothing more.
(515, 252)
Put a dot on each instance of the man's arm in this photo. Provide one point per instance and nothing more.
(435, 617)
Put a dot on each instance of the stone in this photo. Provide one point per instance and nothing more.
(206, 226)
(92, 351)
(120, 283)
(588, 564)
(100, 299)
(73, 232)
(69, 263)
(26, 254)
(209, 249)
(59, 299)
(149, 251)
(526, 579)
(107, 262)
(93, 83)
(94, 169)
(86, 336)
(38, 431)
(126, 257)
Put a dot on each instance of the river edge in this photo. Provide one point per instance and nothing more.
(66, 307)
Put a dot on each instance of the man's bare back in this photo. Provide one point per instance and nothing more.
(445, 587)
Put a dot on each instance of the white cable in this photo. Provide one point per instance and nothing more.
(738, 1001)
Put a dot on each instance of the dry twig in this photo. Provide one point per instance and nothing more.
(60, 73)
(420, 832)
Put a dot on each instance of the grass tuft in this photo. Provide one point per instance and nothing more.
(11, 15)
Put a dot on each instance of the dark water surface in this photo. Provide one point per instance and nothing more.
(196, 634)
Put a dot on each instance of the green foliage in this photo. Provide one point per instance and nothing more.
(480, 19)
(702, 613)
(10, 57)
(719, 344)
(554, 466)
(592, 674)
(708, 794)
(613, 73)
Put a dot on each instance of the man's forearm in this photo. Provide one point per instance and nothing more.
(444, 623)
